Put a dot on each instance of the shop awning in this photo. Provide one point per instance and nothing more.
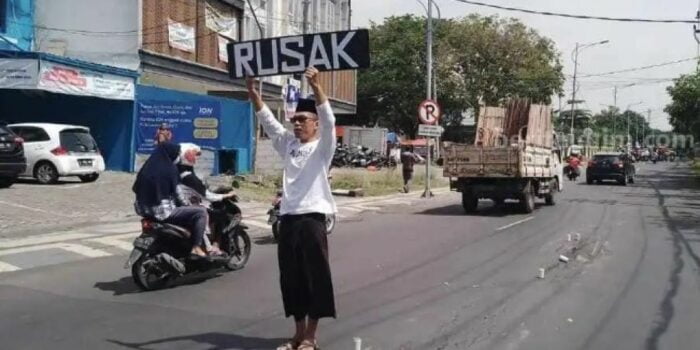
(47, 72)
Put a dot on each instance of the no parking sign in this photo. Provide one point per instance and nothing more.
(429, 112)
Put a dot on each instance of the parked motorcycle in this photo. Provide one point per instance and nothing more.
(162, 252)
(275, 218)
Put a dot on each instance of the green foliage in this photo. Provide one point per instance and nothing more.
(684, 109)
(476, 59)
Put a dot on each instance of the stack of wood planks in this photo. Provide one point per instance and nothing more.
(519, 122)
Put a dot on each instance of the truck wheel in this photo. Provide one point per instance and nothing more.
(549, 198)
(527, 199)
(469, 202)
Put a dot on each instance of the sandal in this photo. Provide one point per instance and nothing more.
(308, 345)
(289, 345)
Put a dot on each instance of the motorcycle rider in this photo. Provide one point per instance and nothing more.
(195, 192)
(157, 195)
(573, 164)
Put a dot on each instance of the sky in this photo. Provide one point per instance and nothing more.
(631, 44)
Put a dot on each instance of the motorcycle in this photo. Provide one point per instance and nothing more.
(571, 173)
(275, 218)
(162, 252)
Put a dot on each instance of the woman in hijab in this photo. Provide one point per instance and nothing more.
(157, 195)
(194, 191)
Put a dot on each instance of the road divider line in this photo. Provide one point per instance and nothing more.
(83, 250)
(113, 242)
(43, 239)
(515, 223)
(5, 267)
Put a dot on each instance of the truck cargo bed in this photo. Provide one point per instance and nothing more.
(497, 162)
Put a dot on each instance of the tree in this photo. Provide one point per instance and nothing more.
(684, 109)
(611, 123)
(477, 59)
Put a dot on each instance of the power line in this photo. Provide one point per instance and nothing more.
(567, 15)
(641, 68)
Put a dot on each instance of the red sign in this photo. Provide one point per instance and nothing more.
(429, 112)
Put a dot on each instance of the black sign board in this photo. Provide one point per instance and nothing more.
(293, 54)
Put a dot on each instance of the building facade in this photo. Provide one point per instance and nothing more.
(176, 49)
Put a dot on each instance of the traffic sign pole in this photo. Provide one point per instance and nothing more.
(429, 115)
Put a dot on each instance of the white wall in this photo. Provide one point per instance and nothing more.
(99, 31)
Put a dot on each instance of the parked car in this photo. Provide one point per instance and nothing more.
(57, 150)
(611, 166)
(12, 160)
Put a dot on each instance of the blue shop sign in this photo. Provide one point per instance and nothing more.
(194, 122)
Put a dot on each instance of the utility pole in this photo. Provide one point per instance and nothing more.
(573, 93)
(696, 33)
(428, 94)
(649, 122)
(614, 115)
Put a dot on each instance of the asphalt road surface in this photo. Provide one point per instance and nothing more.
(419, 277)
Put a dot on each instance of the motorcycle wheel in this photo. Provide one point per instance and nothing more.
(238, 249)
(330, 223)
(146, 277)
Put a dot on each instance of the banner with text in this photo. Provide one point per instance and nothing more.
(292, 54)
(181, 36)
(18, 73)
(63, 79)
(195, 122)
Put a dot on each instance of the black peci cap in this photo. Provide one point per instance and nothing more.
(306, 105)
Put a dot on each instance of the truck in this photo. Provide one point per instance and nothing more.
(515, 155)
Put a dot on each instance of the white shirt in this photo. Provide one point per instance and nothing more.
(306, 165)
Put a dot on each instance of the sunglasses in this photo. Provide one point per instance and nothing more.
(301, 119)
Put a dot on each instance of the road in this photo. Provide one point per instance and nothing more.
(425, 276)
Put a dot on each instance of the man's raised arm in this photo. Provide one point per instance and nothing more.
(272, 127)
(326, 118)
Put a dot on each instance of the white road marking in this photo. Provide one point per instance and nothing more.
(69, 187)
(42, 239)
(35, 209)
(113, 242)
(256, 224)
(366, 207)
(5, 267)
(71, 247)
(515, 223)
(83, 250)
(351, 209)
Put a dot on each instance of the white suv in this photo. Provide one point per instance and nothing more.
(54, 150)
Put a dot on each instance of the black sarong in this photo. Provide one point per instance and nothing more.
(305, 274)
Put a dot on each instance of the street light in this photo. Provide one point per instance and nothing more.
(573, 93)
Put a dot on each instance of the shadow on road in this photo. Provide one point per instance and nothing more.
(485, 209)
(266, 240)
(215, 340)
(124, 285)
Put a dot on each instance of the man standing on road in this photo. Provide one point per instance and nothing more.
(408, 159)
(305, 275)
